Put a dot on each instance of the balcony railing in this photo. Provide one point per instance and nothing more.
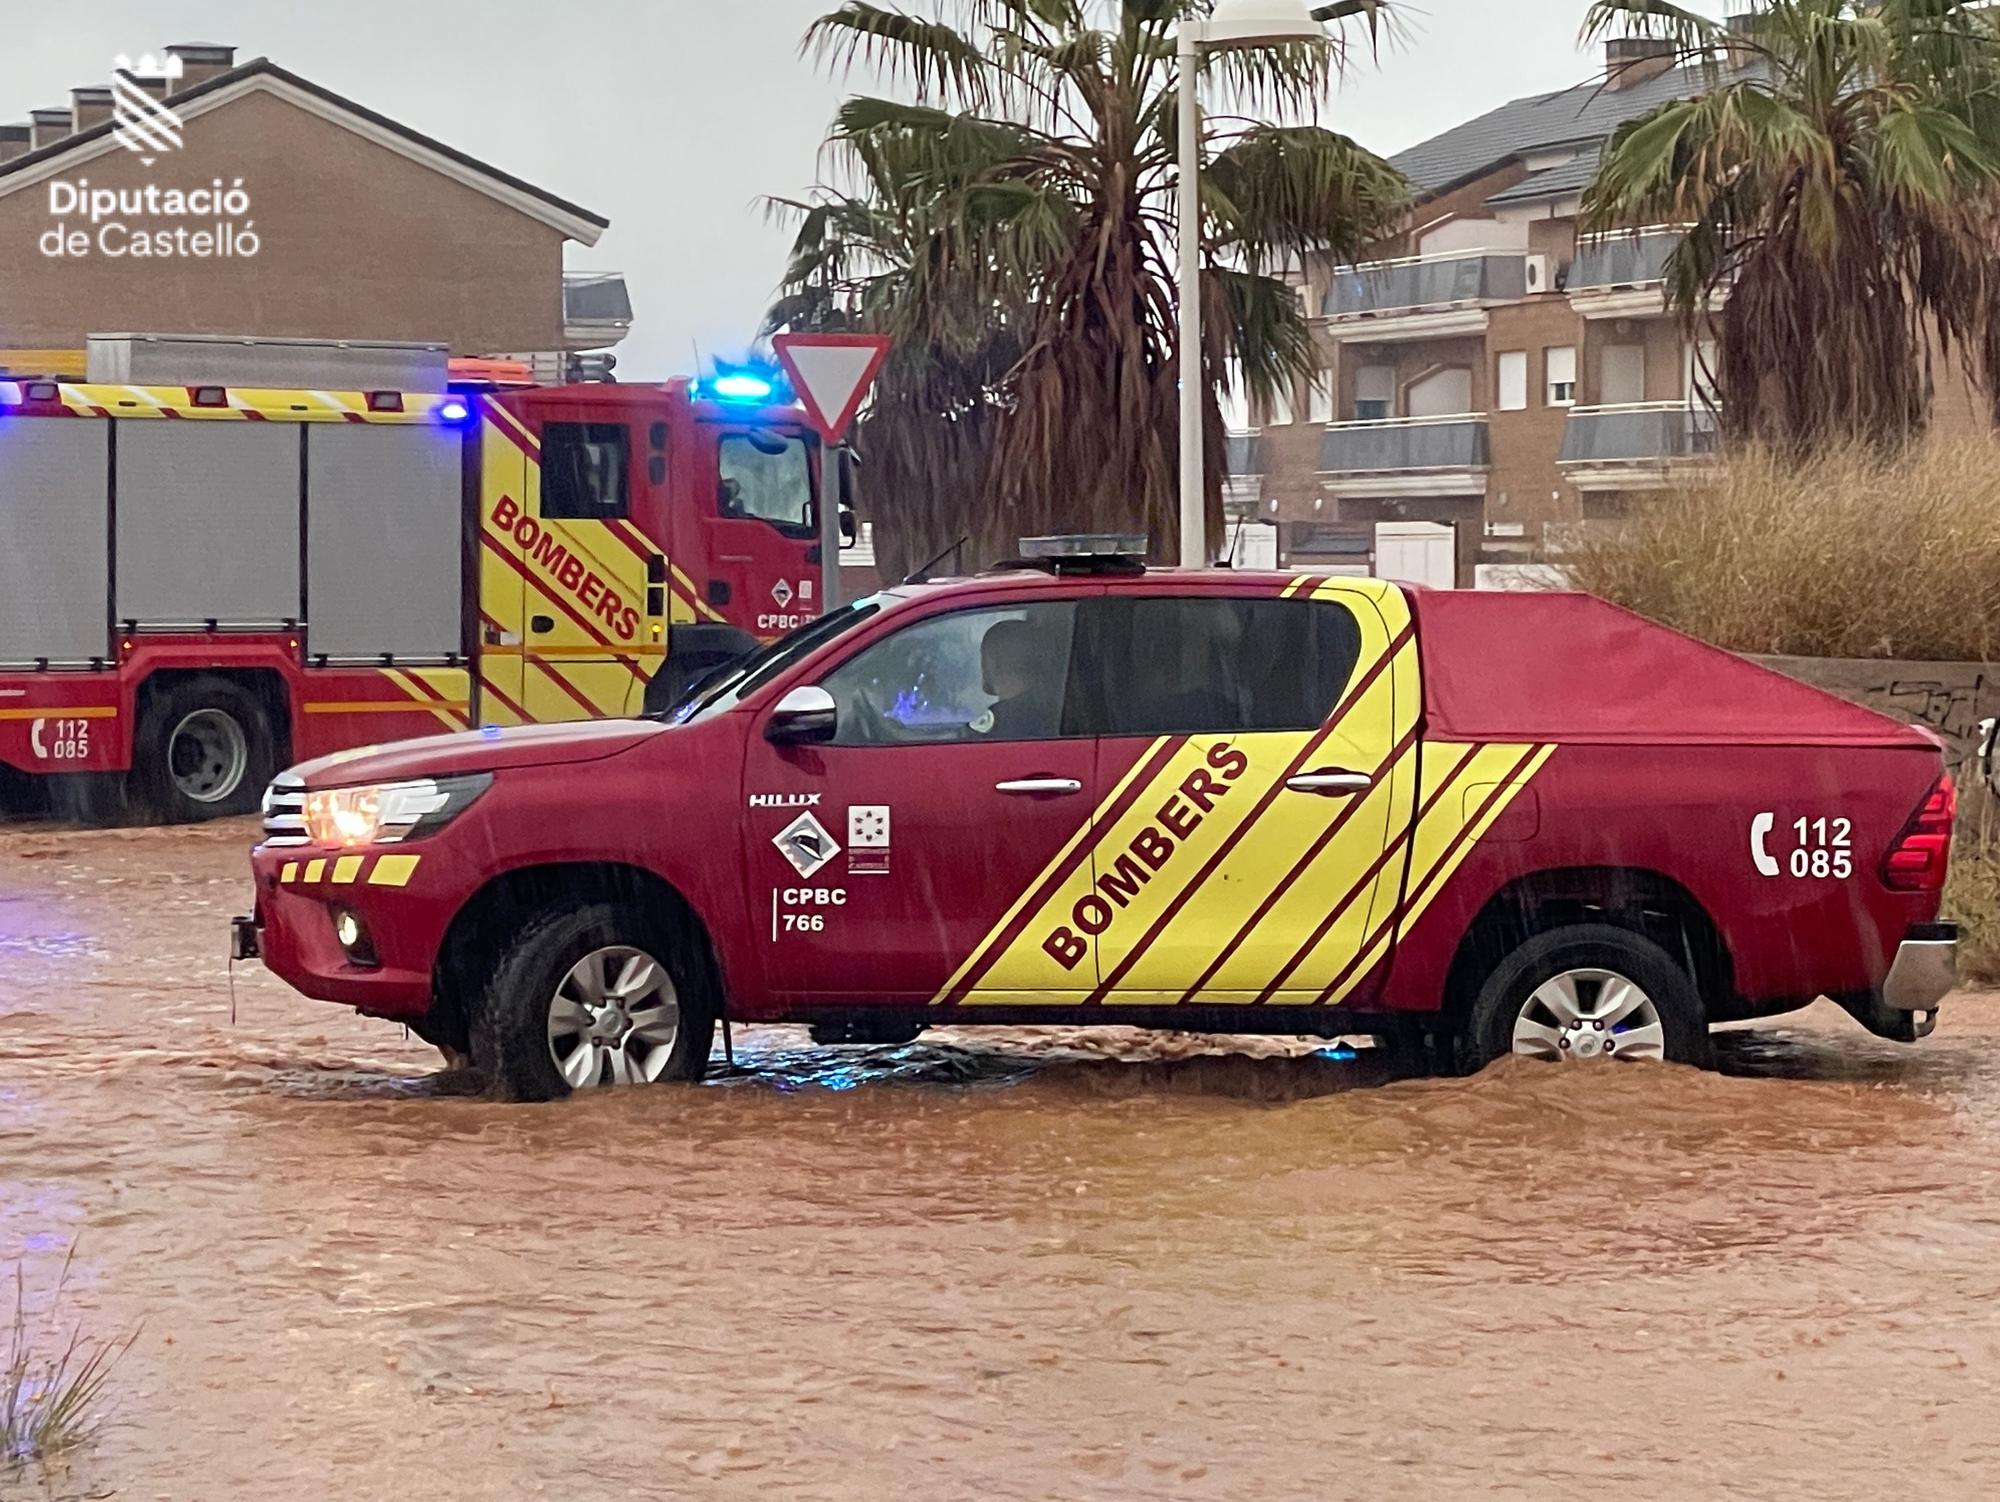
(1639, 433)
(1446, 280)
(1395, 444)
(1635, 258)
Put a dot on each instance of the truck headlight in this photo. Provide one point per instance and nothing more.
(390, 812)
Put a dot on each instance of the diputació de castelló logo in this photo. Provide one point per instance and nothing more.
(153, 221)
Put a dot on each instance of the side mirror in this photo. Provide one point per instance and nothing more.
(850, 529)
(804, 715)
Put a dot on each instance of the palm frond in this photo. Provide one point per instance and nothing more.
(933, 57)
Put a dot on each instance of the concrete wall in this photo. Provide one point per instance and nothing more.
(1950, 698)
(356, 241)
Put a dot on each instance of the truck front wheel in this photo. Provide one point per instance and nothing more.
(590, 997)
(204, 750)
(1585, 994)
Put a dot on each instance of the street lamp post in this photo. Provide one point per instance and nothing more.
(1234, 24)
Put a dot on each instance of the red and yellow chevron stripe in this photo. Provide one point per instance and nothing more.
(1272, 897)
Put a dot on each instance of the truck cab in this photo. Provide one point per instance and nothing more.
(633, 539)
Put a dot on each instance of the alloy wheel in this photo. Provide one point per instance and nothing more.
(613, 1019)
(1583, 1016)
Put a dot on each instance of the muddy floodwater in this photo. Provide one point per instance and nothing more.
(987, 1265)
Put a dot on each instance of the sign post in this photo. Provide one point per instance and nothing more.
(832, 374)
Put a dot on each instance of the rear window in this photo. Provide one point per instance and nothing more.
(1187, 665)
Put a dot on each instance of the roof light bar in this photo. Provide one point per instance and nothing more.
(1086, 545)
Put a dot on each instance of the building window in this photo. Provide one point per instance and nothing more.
(1560, 361)
(1702, 358)
(1280, 410)
(1234, 400)
(1374, 393)
(1513, 380)
(1319, 398)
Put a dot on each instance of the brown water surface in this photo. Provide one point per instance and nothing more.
(987, 1265)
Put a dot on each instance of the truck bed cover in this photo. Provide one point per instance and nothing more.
(1569, 667)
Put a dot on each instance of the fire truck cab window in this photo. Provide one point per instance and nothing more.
(975, 675)
(585, 471)
(767, 477)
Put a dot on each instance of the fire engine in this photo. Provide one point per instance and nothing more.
(315, 547)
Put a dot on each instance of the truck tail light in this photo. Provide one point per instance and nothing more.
(1917, 861)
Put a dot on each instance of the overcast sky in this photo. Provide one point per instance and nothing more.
(673, 117)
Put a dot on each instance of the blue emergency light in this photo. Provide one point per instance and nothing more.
(741, 386)
(453, 410)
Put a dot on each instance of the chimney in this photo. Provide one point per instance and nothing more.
(200, 61)
(91, 106)
(1742, 25)
(1631, 61)
(46, 127)
(16, 140)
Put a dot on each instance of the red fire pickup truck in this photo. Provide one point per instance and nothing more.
(1086, 791)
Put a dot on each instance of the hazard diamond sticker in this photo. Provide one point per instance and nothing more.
(806, 844)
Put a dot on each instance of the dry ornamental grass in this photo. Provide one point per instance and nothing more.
(1845, 555)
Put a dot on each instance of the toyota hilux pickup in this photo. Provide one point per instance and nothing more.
(1085, 791)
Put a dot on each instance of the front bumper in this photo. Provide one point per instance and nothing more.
(1925, 968)
(401, 899)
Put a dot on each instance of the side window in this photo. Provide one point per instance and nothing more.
(1194, 665)
(767, 477)
(585, 469)
(976, 675)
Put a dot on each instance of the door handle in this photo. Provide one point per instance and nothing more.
(1330, 784)
(541, 625)
(1040, 787)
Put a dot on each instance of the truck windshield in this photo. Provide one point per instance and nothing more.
(744, 677)
(767, 477)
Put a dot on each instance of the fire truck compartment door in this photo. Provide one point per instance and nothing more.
(208, 523)
(503, 486)
(54, 548)
(382, 526)
(584, 633)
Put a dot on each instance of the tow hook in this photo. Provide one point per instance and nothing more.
(243, 939)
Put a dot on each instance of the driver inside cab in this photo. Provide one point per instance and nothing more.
(1007, 657)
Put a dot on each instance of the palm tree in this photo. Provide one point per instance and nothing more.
(1837, 174)
(1009, 222)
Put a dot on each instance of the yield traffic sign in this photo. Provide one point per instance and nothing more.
(831, 374)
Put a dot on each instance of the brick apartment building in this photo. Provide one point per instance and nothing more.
(343, 224)
(1491, 369)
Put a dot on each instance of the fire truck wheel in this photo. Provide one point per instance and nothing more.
(590, 997)
(1587, 994)
(204, 750)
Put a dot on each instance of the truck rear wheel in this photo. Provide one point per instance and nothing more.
(1588, 993)
(591, 997)
(205, 750)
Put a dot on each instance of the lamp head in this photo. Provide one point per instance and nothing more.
(1260, 23)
